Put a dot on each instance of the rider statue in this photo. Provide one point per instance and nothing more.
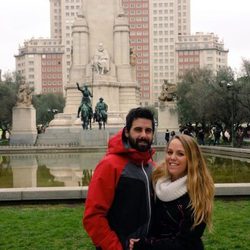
(101, 107)
(86, 94)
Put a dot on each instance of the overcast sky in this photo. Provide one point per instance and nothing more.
(24, 19)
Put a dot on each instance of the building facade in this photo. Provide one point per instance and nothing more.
(62, 16)
(160, 37)
(200, 51)
(169, 19)
(39, 62)
(138, 16)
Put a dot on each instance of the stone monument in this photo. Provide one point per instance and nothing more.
(167, 111)
(101, 60)
(24, 130)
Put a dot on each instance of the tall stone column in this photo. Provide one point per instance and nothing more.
(80, 49)
(121, 48)
(80, 59)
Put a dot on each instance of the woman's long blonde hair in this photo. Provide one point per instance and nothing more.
(200, 184)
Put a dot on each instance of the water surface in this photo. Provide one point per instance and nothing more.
(76, 169)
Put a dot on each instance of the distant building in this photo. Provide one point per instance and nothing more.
(168, 21)
(62, 16)
(159, 34)
(40, 61)
(138, 16)
(199, 51)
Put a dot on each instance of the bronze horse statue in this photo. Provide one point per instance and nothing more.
(86, 116)
(101, 117)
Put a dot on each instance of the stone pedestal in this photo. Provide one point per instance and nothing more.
(24, 130)
(94, 138)
(167, 119)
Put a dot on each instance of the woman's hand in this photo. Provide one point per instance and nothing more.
(132, 242)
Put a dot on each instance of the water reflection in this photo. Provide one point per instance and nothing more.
(76, 169)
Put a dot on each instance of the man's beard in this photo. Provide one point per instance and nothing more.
(138, 145)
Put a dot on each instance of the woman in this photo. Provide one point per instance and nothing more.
(184, 192)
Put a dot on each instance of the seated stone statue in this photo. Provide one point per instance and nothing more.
(168, 92)
(101, 60)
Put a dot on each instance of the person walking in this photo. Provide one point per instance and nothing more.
(118, 204)
(167, 136)
(184, 192)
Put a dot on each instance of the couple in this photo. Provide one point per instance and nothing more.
(132, 204)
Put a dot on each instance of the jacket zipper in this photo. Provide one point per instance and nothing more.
(149, 198)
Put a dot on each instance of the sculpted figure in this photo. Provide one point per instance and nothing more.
(24, 95)
(101, 60)
(133, 57)
(86, 94)
(101, 106)
(101, 114)
(168, 92)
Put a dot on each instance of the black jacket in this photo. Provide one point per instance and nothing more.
(172, 227)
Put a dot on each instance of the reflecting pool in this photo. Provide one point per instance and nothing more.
(76, 169)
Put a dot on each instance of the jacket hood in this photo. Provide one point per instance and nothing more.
(117, 145)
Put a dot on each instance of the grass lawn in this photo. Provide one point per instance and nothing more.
(60, 227)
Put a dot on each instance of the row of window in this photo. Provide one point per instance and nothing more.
(52, 69)
(51, 63)
(161, 4)
(52, 76)
(139, 19)
(139, 33)
(72, 7)
(138, 48)
(124, 1)
(134, 6)
(165, 74)
(52, 56)
(191, 59)
(163, 54)
(165, 47)
(190, 52)
(49, 83)
(166, 60)
(52, 90)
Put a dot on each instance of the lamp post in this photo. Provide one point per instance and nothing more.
(230, 87)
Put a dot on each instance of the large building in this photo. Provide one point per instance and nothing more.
(62, 16)
(138, 16)
(169, 19)
(159, 35)
(154, 29)
(40, 61)
(200, 51)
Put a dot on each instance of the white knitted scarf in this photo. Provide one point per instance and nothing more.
(166, 190)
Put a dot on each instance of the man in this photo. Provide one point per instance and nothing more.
(167, 136)
(86, 94)
(118, 205)
(101, 106)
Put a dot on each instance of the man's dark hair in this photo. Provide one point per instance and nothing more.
(139, 112)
